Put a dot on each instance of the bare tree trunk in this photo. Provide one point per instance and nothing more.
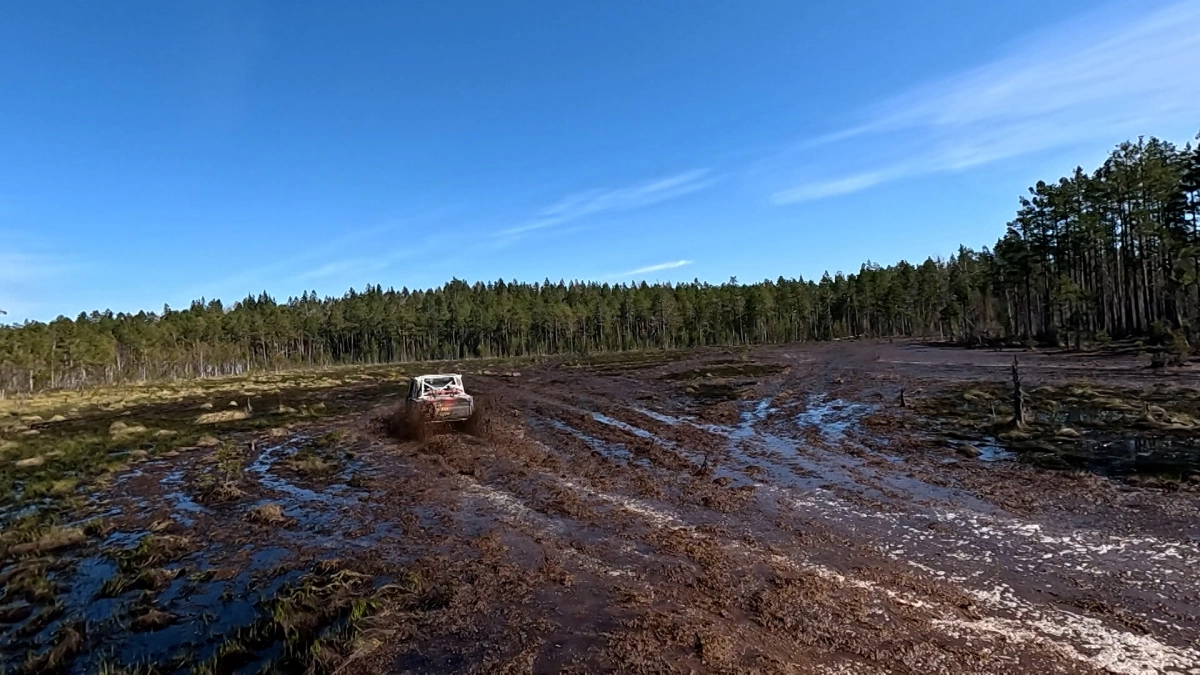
(1018, 397)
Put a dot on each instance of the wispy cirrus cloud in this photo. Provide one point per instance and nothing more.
(356, 265)
(591, 202)
(383, 257)
(339, 267)
(829, 188)
(1107, 77)
(649, 269)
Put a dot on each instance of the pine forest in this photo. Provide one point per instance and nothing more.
(1105, 255)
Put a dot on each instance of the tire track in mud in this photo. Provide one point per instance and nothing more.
(909, 607)
(987, 538)
(540, 525)
(1026, 545)
(1083, 638)
(998, 548)
(1012, 619)
(626, 525)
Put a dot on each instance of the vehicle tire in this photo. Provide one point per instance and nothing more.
(477, 423)
(409, 425)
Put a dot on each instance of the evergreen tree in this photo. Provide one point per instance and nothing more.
(1113, 253)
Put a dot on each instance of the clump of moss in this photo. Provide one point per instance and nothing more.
(308, 462)
(330, 439)
(268, 514)
(121, 429)
(222, 416)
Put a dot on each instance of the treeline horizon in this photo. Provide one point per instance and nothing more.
(1110, 254)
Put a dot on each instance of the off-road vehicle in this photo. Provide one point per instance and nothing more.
(437, 401)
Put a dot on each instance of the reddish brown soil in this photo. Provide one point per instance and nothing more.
(784, 515)
(611, 521)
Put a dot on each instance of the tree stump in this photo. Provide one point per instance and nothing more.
(1018, 397)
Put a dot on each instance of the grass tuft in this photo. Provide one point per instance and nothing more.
(267, 514)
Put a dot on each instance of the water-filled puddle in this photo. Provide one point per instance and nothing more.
(184, 506)
(178, 609)
(994, 453)
(614, 451)
(833, 417)
(636, 431)
(1112, 442)
(1136, 455)
(657, 416)
(781, 458)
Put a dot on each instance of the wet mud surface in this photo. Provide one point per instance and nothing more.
(768, 510)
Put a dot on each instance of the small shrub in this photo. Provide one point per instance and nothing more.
(1178, 349)
(211, 490)
(229, 461)
(1160, 334)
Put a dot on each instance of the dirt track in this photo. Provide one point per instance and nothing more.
(768, 511)
(619, 524)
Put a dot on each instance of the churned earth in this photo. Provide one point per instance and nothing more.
(850, 507)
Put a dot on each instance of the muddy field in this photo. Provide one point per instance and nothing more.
(770, 510)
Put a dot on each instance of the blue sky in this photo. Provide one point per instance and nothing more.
(157, 152)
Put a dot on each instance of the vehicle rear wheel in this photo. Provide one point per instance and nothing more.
(477, 424)
(409, 425)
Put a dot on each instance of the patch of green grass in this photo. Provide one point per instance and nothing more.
(330, 439)
(154, 550)
(68, 641)
(307, 462)
(46, 540)
(113, 668)
(223, 484)
(152, 579)
(24, 528)
(30, 581)
(229, 458)
(315, 620)
(61, 461)
(84, 436)
(210, 489)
